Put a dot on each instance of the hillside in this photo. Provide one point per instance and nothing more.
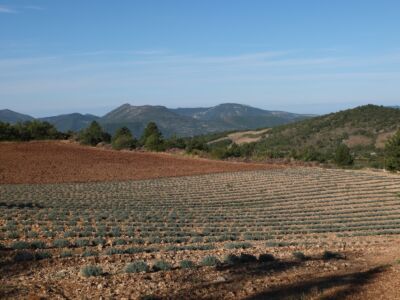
(12, 117)
(74, 121)
(364, 130)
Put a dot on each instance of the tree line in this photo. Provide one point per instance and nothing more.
(30, 130)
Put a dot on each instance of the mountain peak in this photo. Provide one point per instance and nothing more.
(10, 116)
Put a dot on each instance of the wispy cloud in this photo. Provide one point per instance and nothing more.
(33, 7)
(7, 9)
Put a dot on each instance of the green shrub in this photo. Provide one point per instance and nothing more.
(32, 234)
(120, 242)
(89, 252)
(82, 243)
(210, 260)
(187, 264)
(61, 243)
(23, 256)
(20, 245)
(42, 255)
(113, 251)
(243, 245)
(38, 245)
(137, 267)
(66, 253)
(162, 265)
(13, 235)
(91, 270)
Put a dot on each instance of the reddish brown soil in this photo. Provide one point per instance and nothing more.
(56, 162)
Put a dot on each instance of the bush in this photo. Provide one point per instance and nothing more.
(187, 264)
(243, 245)
(61, 243)
(82, 243)
(66, 253)
(89, 252)
(42, 255)
(20, 245)
(13, 235)
(23, 256)
(162, 265)
(38, 245)
(266, 257)
(113, 251)
(299, 255)
(137, 267)
(210, 261)
(91, 270)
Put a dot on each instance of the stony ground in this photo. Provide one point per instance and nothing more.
(372, 273)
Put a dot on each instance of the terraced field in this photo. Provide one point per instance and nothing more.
(199, 219)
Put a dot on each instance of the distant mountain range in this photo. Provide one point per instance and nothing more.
(74, 121)
(179, 121)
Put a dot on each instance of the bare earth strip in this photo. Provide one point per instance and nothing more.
(56, 162)
(243, 137)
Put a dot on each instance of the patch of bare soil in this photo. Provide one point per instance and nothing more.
(243, 137)
(358, 140)
(57, 162)
(382, 139)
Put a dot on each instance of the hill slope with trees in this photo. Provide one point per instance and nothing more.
(363, 130)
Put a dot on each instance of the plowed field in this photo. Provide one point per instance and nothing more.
(57, 162)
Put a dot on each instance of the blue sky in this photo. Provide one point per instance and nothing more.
(301, 56)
